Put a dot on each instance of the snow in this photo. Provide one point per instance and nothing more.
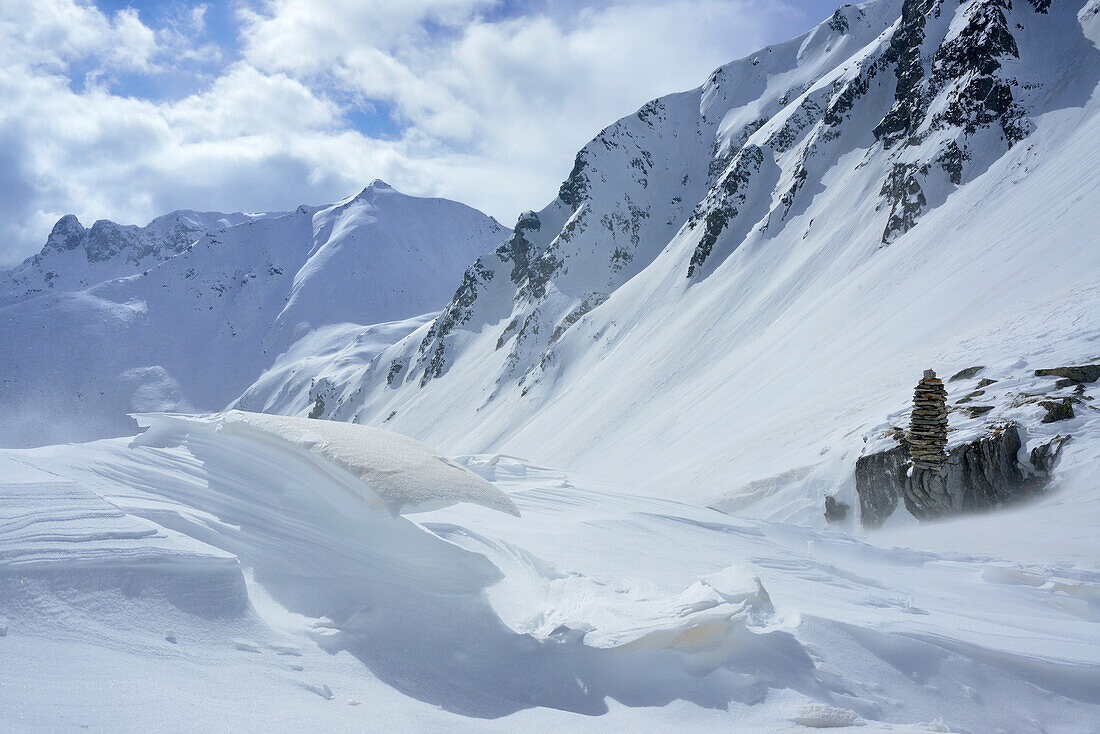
(399, 474)
(191, 332)
(614, 521)
(595, 609)
(807, 335)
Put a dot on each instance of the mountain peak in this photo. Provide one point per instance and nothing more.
(368, 191)
(375, 186)
(67, 234)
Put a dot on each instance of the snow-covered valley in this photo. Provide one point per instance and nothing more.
(651, 460)
(248, 580)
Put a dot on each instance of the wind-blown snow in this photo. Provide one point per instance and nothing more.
(727, 304)
(593, 610)
(396, 472)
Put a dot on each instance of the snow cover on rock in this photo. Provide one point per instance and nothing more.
(75, 258)
(395, 472)
(307, 376)
(201, 321)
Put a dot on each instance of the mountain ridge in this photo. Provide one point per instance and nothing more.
(191, 323)
(749, 206)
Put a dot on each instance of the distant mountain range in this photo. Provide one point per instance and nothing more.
(186, 312)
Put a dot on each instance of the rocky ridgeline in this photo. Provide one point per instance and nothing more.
(928, 425)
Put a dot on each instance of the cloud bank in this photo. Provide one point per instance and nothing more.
(131, 113)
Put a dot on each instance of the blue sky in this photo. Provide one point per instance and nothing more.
(126, 110)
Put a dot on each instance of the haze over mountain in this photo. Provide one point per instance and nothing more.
(188, 311)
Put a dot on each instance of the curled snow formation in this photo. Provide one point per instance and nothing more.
(399, 474)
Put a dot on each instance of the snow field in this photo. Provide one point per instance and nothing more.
(593, 609)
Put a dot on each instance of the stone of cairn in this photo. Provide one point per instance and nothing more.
(928, 426)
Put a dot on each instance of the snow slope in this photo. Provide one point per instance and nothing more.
(593, 610)
(747, 279)
(194, 330)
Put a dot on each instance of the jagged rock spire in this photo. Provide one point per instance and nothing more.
(928, 424)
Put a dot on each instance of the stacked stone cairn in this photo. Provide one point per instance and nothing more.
(928, 425)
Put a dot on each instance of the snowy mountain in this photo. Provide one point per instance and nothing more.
(193, 308)
(75, 258)
(744, 280)
(709, 337)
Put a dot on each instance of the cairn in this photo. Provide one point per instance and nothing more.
(928, 426)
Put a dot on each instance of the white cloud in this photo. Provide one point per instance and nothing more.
(56, 33)
(491, 107)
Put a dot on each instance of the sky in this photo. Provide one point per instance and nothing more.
(128, 110)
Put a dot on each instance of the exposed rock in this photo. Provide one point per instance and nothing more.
(1045, 456)
(970, 396)
(67, 234)
(977, 410)
(880, 481)
(985, 382)
(980, 475)
(726, 204)
(397, 366)
(1081, 373)
(1057, 410)
(835, 511)
(966, 374)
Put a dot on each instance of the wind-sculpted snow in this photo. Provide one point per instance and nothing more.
(632, 612)
(394, 472)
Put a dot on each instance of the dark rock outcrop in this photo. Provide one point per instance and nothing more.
(1057, 410)
(980, 475)
(880, 483)
(835, 511)
(965, 374)
(977, 476)
(1045, 456)
(1081, 373)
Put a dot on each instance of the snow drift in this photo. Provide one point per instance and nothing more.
(591, 603)
(394, 472)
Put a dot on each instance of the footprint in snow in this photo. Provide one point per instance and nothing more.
(246, 646)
